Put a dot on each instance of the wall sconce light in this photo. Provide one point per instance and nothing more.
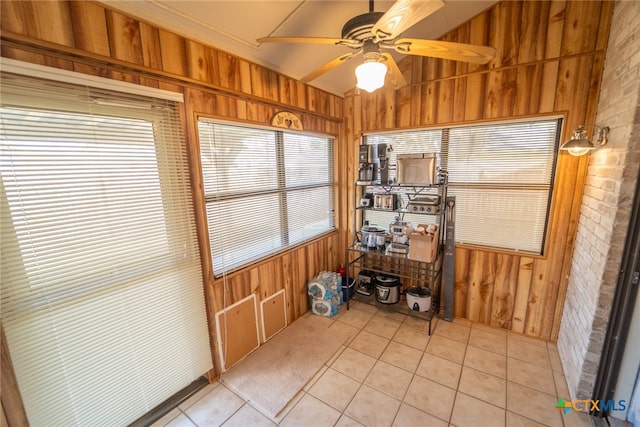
(579, 144)
(371, 73)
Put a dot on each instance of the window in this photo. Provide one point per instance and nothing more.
(265, 190)
(101, 279)
(500, 173)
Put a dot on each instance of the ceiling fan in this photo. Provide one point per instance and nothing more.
(374, 34)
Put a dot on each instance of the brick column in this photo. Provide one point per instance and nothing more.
(606, 207)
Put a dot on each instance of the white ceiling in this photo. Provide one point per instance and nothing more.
(234, 26)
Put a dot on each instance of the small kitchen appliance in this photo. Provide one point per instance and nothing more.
(385, 202)
(367, 201)
(424, 204)
(373, 236)
(381, 159)
(387, 288)
(399, 231)
(365, 282)
(416, 169)
(367, 166)
(419, 298)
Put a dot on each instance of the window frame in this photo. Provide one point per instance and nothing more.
(282, 190)
(73, 332)
(444, 142)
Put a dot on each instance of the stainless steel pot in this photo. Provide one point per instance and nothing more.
(371, 234)
(387, 289)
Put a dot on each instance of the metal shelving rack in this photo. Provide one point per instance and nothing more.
(426, 274)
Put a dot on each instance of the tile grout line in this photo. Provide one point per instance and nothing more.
(455, 396)
(414, 375)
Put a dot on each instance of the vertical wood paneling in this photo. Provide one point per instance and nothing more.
(534, 72)
(287, 88)
(501, 94)
(173, 53)
(446, 87)
(50, 21)
(125, 42)
(475, 96)
(582, 19)
(553, 44)
(459, 92)
(429, 95)
(461, 285)
(416, 90)
(504, 34)
(458, 101)
(288, 285)
(527, 101)
(150, 46)
(523, 283)
(202, 62)
(13, 17)
(533, 33)
(89, 27)
(480, 29)
(403, 96)
(504, 292)
(386, 108)
(476, 292)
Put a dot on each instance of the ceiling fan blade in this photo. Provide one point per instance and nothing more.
(328, 66)
(445, 50)
(394, 74)
(402, 15)
(314, 40)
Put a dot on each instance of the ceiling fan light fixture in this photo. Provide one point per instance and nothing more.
(370, 75)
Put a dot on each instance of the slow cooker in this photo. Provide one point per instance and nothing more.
(387, 288)
(373, 236)
(418, 298)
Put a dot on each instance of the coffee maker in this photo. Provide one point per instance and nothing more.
(367, 167)
(381, 160)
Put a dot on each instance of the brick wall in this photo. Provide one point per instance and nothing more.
(606, 207)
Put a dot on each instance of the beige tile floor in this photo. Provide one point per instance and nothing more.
(391, 373)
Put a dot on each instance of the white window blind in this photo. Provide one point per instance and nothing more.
(265, 190)
(416, 141)
(502, 176)
(102, 298)
(500, 173)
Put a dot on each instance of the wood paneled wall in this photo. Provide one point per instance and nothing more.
(549, 61)
(86, 37)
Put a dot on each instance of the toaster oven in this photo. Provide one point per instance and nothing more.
(417, 169)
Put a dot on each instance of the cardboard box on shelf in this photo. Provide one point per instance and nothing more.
(423, 244)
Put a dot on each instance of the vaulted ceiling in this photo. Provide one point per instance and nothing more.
(234, 26)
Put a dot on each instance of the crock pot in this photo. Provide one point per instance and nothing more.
(387, 289)
(372, 235)
(418, 298)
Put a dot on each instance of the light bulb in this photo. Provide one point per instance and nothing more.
(577, 151)
(370, 75)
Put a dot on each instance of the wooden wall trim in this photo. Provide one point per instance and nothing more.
(12, 405)
(29, 44)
